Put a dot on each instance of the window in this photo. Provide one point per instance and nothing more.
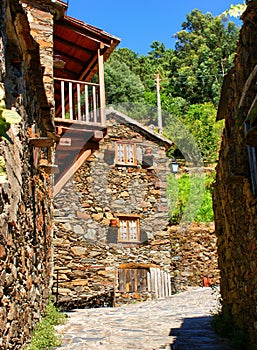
(126, 153)
(129, 230)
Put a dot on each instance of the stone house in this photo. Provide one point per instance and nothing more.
(44, 54)
(116, 203)
(113, 241)
(26, 192)
(236, 185)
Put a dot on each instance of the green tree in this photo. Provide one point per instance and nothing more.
(122, 85)
(205, 51)
(200, 120)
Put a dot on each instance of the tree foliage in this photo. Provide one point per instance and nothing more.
(191, 77)
(205, 51)
(180, 190)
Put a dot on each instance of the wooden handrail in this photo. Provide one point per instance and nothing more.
(74, 107)
(77, 81)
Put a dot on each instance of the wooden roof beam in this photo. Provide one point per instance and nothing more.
(70, 44)
(68, 57)
(86, 31)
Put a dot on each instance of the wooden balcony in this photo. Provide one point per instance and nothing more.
(79, 102)
(80, 51)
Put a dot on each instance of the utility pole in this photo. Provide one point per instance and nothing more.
(159, 108)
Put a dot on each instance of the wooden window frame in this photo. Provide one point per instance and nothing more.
(128, 220)
(126, 160)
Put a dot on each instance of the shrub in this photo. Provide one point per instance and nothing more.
(186, 200)
(44, 334)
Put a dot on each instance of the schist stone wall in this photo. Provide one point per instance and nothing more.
(25, 198)
(86, 272)
(235, 190)
(98, 192)
(100, 189)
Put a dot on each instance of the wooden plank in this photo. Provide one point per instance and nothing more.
(98, 135)
(122, 281)
(63, 99)
(165, 284)
(133, 265)
(49, 169)
(149, 281)
(76, 81)
(41, 142)
(135, 279)
(70, 101)
(102, 85)
(158, 273)
(169, 284)
(78, 101)
(86, 104)
(162, 283)
(94, 104)
(71, 171)
(78, 122)
(64, 141)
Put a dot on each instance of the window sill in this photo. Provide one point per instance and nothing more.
(126, 165)
(129, 243)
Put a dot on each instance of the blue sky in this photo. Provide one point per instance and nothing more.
(140, 22)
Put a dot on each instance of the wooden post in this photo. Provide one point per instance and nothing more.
(165, 284)
(70, 101)
(86, 104)
(101, 84)
(149, 282)
(159, 108)
(78, 101)
(169, 285)
(162, 283)
(115, 286)
(158, 282)
(63, 99)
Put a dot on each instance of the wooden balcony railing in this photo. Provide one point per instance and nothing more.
(79, 101)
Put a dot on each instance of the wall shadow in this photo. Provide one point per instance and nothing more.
(196, 333)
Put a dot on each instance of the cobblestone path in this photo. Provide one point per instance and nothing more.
(180, 322)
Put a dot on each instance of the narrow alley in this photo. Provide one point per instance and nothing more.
(182, 321)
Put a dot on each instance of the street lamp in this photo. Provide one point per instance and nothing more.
(174, 166)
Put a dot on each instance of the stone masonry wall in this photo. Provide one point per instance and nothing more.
(87, 270)
(234, 198)
(193, 255)
(99, 190)
(26, 197)
(87, 256)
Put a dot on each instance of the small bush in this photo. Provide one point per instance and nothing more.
(44, 334)
(186, 199)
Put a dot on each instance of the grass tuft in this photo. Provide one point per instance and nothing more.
(44, 334)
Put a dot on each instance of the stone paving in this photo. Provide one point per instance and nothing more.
(180, 322)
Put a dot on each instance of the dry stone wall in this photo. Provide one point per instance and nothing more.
(26, 197)
(99, 190)
(234, 199)
(87, 271)
(87, 254)
(193, 255)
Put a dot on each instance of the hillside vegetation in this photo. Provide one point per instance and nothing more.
(191, 78)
